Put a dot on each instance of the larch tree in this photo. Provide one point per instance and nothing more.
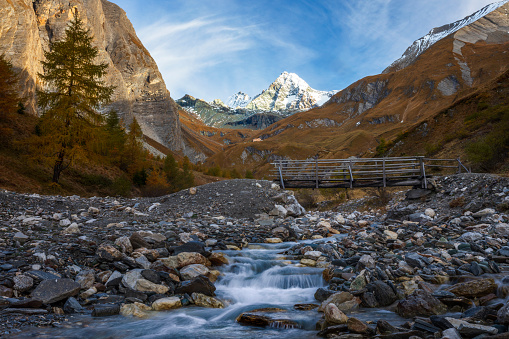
(75, 91)
(8, 98)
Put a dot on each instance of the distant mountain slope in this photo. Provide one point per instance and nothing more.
(355, 120)
(436, 34)
(287, 95)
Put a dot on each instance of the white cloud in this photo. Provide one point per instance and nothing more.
(185, 51)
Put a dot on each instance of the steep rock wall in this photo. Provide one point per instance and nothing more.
(28, 27)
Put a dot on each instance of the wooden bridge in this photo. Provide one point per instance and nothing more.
(358, 172)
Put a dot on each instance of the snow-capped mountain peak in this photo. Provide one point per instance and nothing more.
(436, 34)
(289, 92)
(238, 100)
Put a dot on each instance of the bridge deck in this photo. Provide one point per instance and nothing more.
(358, 172)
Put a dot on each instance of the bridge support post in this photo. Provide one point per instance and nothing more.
(383, 174)
(350, 172)
(316, 171)
(281, 177)
(423, 172)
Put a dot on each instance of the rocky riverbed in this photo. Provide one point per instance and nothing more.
(437, 262)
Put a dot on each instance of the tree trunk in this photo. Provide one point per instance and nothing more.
(59, 166)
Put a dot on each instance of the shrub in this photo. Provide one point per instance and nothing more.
(122, 186)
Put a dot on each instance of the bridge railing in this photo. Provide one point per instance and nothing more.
(360, 172)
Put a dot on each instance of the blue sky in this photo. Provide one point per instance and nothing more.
(213, 49)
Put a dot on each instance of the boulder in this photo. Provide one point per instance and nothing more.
(334, 316)
(73, 306)
(124, 244)
(190, 258)
(218, 259)
(72, 229)
(164, 304)
(503, 314)
(345, 302)
(474, 288)
(192, 271)
(107, 252)
(191, 246)
(357, 326)
(420, 303)
(53, 290)
(203, 300)
(199, 284)
(137, 241)
(105, 310)
(135, 281)
(383, 293)
(137, 310)
(170, 262)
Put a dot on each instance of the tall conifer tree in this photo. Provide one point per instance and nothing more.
(74, 94)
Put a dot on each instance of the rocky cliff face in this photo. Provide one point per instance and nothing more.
(28, 27)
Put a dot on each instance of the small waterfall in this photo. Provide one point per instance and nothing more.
(255, 278)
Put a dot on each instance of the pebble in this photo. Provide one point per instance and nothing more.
(138, 252)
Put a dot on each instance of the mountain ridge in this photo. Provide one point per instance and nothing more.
(419, 46)
(285, 96)
(386, 106)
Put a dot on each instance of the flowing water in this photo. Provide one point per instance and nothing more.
(257, 277)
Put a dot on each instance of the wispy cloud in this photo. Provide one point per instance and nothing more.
(188, 52)
(213, 49)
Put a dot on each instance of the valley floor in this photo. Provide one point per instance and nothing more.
(63, 259)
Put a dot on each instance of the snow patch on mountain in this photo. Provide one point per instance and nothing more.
(436, 34)
(289, 92)
(238, 100)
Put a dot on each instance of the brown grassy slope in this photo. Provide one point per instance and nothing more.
(210, 140)
(403, 100)
(448, 133)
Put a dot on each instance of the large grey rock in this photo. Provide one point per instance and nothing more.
(51, 291)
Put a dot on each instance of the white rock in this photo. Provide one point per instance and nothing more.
(88, 293)
(258, 185)
(72, 229)
(153, 206)
(313, 254)
(164, 304)
(484, 213)
(340, 219)
(430, 212)
(391, 235)
(93, 210)
(65, 222)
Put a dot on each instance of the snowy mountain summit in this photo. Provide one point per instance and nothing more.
(289, 92)
(238, 100)
(421, 45)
